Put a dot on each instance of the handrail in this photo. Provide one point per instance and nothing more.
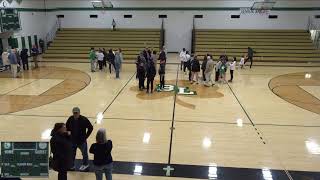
(52, 33)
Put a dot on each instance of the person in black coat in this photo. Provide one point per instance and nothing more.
(24, 58)
(151, 73)
(61, 148)
(102, 160)
(80, 128)
(195, 69)
(141, 75)
(203, 66)
(105, 57)
(162, 69)
(110, 59)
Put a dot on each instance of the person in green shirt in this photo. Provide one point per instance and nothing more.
(92, 58)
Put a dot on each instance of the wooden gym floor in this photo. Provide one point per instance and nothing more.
(268, 118)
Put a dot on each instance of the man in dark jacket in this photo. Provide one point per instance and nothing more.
(110, 59)
(203, 66)
(80, 128)
(24, 58)
(250, 55)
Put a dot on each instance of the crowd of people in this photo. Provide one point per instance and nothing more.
(67, 137)
(190, 62)
(100, 59)
(16, 61)
(146, 65)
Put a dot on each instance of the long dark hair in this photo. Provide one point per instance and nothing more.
(56, 128)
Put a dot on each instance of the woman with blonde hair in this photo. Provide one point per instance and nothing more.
(103, 162)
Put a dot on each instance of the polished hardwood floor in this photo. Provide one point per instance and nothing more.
(268, 117)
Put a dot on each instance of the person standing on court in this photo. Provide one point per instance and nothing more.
(121, 58)
(61, 148)
(151, 73)
(203, 67)
(100, 58)
(92, 58)
(117, 62)
(141, 72)
(195, 69)
(182, 57)
(208, 72)
(110, 59)
(14, 63)
(250, 55)
(35, 54)
(24, 58)
(232, 68)
(5, 59)
(102, 160)
(80, 128)
(162, 69)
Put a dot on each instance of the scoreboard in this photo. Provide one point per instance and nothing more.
(24, 159)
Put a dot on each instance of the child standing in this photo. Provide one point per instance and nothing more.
(222, 71)
(232, 68)
(195, 68)
(241, 63)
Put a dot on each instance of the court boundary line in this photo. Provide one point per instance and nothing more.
(114, 99)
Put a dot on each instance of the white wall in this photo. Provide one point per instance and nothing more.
(178, 25)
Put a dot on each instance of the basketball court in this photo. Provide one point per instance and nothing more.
(254, 122)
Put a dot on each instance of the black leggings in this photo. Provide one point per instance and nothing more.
(25, 65)
(100, 64)
(203, 75)
(111, 64)
(231, 73)
(141, 82)
(162, 81)
(150, 81)
(62, 175)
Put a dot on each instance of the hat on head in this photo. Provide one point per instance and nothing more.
(76, 110)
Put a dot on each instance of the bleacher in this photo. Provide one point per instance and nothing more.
(73, 45)
(270, 45)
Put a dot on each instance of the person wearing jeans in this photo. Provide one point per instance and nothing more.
(80, 129)
(14, 63)
(162, 69)
(102, 161)
(92, 58)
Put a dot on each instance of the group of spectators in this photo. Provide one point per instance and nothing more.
(146, 65)
(100, 58)
(208, 66)
(13, 59)
(67, 137)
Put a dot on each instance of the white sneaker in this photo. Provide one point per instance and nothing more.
(84, 167)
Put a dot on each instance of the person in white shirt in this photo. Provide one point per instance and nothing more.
(182, 57)
(232, 68)
(100, 57)
(241, 63)
(5, 59)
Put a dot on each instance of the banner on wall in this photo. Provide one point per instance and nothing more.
(249, 11)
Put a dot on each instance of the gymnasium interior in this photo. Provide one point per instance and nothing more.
(262, 124)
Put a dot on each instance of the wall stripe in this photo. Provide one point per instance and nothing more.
(19, 43)
(161, 9)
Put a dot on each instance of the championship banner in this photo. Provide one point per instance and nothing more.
(250, 11)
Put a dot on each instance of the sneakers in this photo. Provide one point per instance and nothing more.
(84, 167)
(72, 169)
